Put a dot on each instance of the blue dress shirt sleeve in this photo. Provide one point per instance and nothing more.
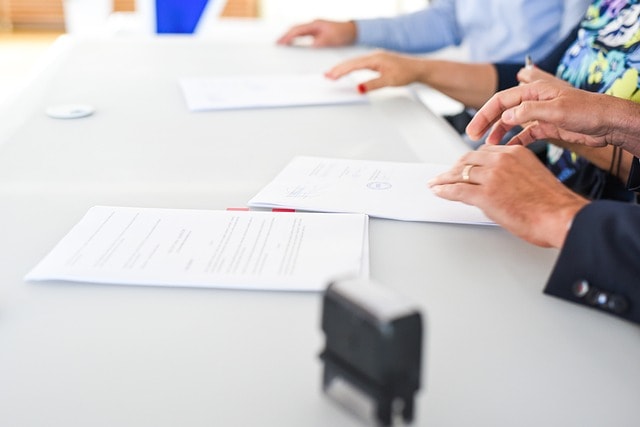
(424, 31)
(492, 30)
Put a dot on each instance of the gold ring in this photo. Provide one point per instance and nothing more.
(466, 171)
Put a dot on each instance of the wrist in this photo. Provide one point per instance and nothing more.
(350, 32)
(424, 69)
(625, 127)
(563, 220)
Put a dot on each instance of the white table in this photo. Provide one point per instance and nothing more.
(497, 353)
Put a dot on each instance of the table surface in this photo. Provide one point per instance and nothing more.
(497, 351)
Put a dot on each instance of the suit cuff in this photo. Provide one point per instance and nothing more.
(597, 266)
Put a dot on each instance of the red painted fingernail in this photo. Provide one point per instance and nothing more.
(361, 88)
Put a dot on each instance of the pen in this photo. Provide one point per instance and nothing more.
(528, 62)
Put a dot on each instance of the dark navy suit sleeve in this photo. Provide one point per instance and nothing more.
(599, 265)
(507, 72)
(633, 183)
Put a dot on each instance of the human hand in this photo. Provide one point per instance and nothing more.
(513, 188)
(551, 109)
(394, 69)
(532, 74)
(324, 33)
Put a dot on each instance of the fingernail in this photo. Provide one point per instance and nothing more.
(361, 88)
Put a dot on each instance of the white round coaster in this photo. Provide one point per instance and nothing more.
(69, 111)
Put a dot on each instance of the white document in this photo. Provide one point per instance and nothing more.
(380, 189)
(264, 91)
(211, 249)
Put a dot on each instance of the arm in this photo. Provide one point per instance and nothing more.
(426, 30)
(471, 84)
(599, 241)
(423, 31)
(526, 27)
(598, 263)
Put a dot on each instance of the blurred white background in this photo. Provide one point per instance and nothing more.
(23, 46)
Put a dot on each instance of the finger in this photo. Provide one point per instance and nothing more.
(321, 40)
(492, 111)
(502, 102)
(483, 120)
(482, 160)
(497, 132)
(374, 84)
(531, 74)
(524, 137)
(346, 67)
(451, 176)
(537, 110)
(468, 166)
(524, 75)
(285, 39)
(540, 130)
(484, 153)
(294, 32)
(458, 192)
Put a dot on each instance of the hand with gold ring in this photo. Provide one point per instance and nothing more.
(514, 189)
